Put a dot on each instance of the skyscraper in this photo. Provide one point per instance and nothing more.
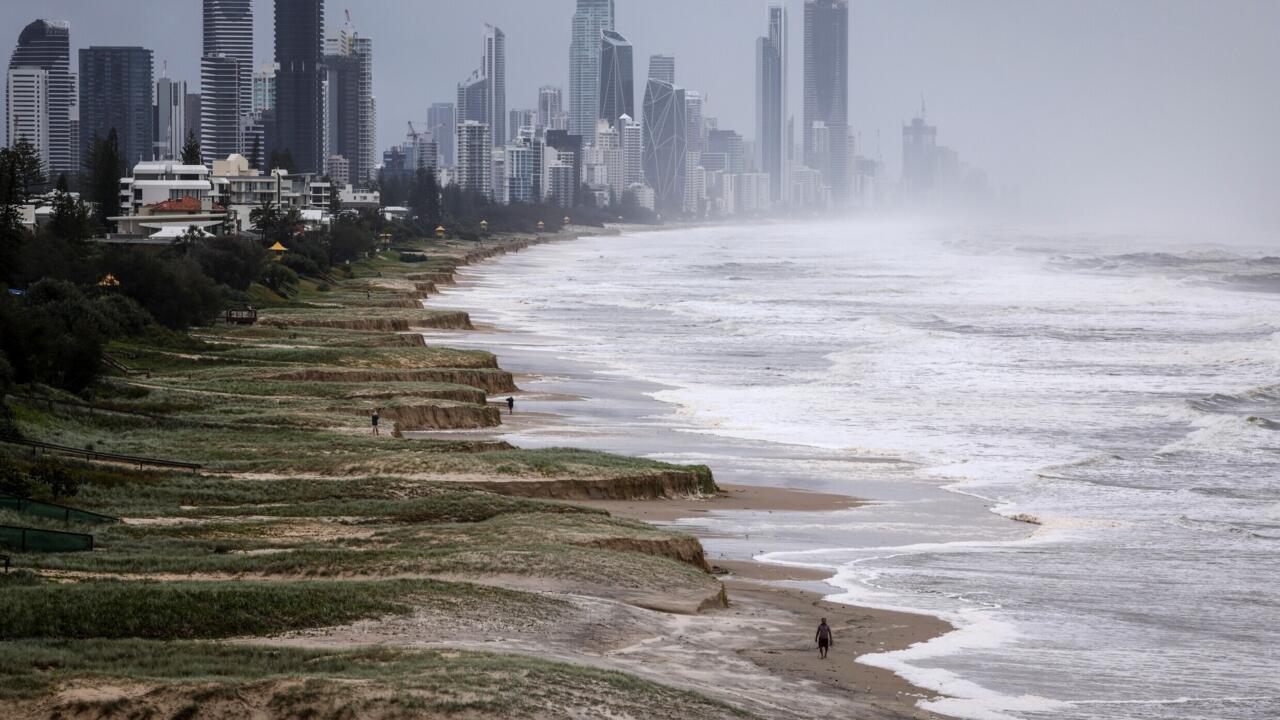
(693, 121)
(591, 19)
(441, 121)
(482, 97)
(663, 67)
(264, 88)
(115, 93)
(226, 77)
(564, 187)
(349, 110)
(771, 103)
(520, 119)
(495, 69)
(826, 92)
(475, 158)
(919, 157)
(632, 138)
(46, 45)
(27, 89)
(617, 81)
(170, 118)
(664, 144)
(297, 129)
(550, 107)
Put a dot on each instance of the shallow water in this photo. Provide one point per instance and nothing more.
(1121, 393)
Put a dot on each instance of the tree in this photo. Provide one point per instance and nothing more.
(191, 150)
(12, 234)
(281, 160)
(70, 219)
(104, 167)
(424, 197)
(29, 168)
(255, 152)
(275, 224)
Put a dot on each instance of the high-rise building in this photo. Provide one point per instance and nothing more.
(592, 18)
(729, 144)
(919, 157)
(495, 69)
(170, 127)
(520, 119)
(631, 136)
(693, 121)
(264, 87)
(46, 45)
(617, 81)
(608, 154)
(771, 103)
(523, 165)
(299, 115)
(550, 108)
(226, 77)
(115, 93)
(664, 144)
(482, 97)
(349, 130)
(826, 91)
(475, 158)
(441, 122)
(663, 67)
(570, 149)
(191, 110)
(28, 92)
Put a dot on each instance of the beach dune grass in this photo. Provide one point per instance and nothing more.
(196, 677)
(220, 609)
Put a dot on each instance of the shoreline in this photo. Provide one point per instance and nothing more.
(787, 596)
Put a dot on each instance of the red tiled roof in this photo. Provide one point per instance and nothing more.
(183, 205)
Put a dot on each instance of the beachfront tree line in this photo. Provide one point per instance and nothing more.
(460, 211)
(65, 296)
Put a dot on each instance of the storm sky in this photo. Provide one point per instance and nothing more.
(1100, 107)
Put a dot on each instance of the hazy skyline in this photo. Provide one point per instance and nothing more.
(1144, 105)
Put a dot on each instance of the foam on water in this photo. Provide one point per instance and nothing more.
(1122, 399)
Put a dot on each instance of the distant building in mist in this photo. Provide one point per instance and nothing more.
(663, 68)
(617, 80)
(264, 88)
(45, 45)
(519, 119)
(115, 94)
(591, 19)
(570, 153)
(442, 122)
(826, 93)
(665, 138)
(350, 111)
(919, 157)
(551, 115)
(771, 103)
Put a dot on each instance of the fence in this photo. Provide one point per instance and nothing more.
(95, 455)
(33, 540)
(53, 511)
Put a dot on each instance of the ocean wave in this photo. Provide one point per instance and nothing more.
(1252, 402)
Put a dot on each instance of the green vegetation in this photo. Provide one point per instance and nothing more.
(300, 518)
(364, 682)
(192, 610)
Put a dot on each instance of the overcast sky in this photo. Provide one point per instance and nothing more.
(1086, 104)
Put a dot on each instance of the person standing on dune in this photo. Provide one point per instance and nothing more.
(824, 638)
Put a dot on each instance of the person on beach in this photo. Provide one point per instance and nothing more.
(511, 406)
(824, 638)
(374, 420)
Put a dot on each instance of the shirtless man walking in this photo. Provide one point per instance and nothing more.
(824, 638)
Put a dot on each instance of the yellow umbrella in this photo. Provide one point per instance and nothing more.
(440, 231)
(109, 281)
(541, 226)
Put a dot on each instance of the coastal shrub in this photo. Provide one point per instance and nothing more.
(280, 279)
(174, 290)
(60, 481)
(53, 335)
(230, 260)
